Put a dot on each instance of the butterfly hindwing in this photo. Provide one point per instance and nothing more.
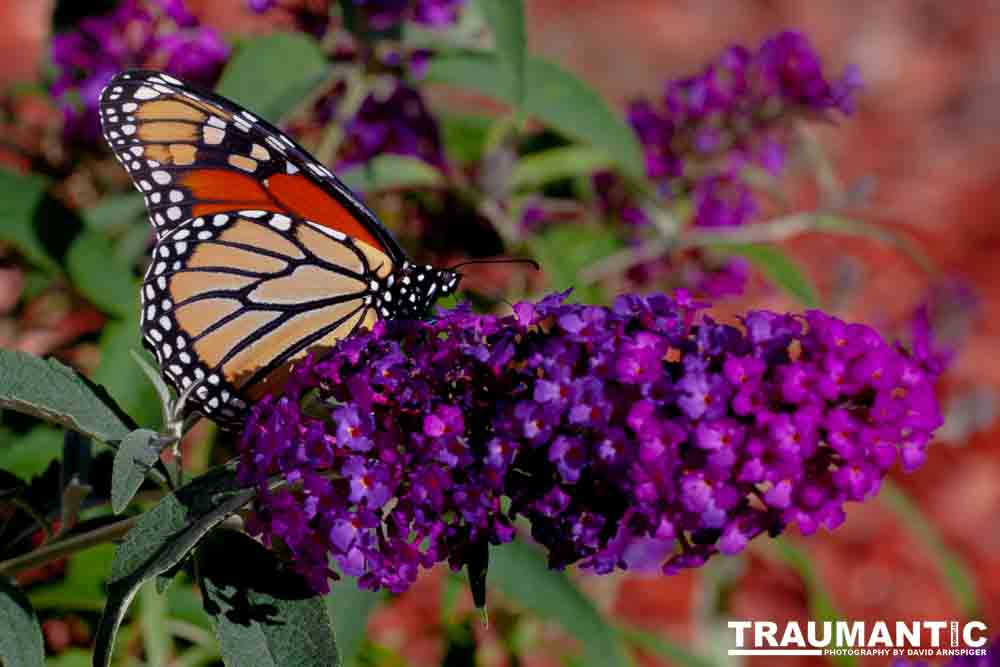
(230, 300)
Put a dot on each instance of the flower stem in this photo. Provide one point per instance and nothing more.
(66, 547)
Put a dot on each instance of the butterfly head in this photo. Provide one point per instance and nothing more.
(412, 289)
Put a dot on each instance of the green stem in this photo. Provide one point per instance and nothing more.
(66, 547)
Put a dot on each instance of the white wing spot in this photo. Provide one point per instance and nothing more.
(213, 135)
(281, 222)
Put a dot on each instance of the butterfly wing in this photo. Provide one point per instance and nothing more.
(230, 300)
(262, 254)
(192, 153)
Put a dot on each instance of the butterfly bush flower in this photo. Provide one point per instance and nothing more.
(419, 442)
(706, 131)
(376, 14)
(156, 33)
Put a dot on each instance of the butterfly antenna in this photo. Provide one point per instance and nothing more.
(501, 260)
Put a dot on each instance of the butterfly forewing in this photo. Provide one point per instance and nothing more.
(191, 153)
(261, 254)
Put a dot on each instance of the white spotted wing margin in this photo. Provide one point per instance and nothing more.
(230, 300)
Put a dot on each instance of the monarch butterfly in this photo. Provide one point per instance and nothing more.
(261, 253)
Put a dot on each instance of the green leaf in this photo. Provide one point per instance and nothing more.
(22, 195)
(519, 571)
(82, 587)
(821, 605)
(270, 75)
(835, 224)
(265, 615)
(74, 657)
(156, 641)
(672, 652)
(779, 268)
(564, 250)
(537, 170)
(350, 607)
(553, 95)
(98, 273)
(122, 377)
(136, 454)
(464, 136)
(58, 394)
(161, 539)
(21, 638)
(506, 20)
(389, 172)
(952, 566)
(31, 453)
(116, 211)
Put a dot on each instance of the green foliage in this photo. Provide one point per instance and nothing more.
(22, 195)
(56, 393)
(264, 614)
(21, 637)
(519, 571)
(162, 539)
(389, 172)
(565, 250)
(271, 74)
(136, 454)
(31, 453)
(821, 605)
(779, 268)
(537, 170)
(952, 566)
(99, 274)
(122, 377)
(506, 19)
(350, 607)
(554, 96)
(82, 586)
(673, 652)
(115, 211)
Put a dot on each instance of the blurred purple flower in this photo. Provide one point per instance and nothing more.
(731, 114)
(398, 122)
(376, 14)
(384, 14)
(607, 428)
(708, 129)
(157, 33)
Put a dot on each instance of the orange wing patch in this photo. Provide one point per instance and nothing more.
(307, 200)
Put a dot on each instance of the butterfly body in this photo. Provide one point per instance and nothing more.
(261, 256)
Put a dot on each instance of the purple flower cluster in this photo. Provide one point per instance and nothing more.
(377, 14)
(398, 122)
(419, 442)
(709, 128)
(161, 34)
(384, 14)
